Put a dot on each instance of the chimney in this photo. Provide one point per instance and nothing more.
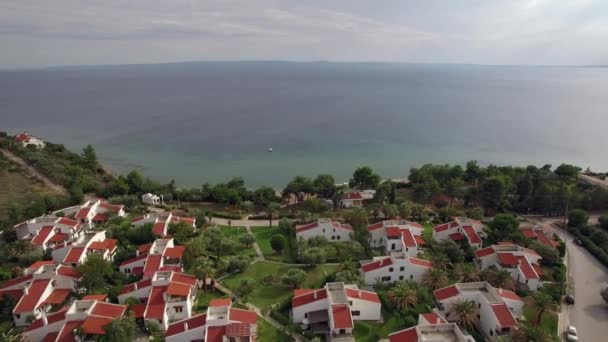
(500, 291)
(45, 321)
(315, 295)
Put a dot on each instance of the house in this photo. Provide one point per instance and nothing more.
(97, 211)
(44, 286)
(160, 223)
(160, 255)
(77, 253)
(390, 269)
(48, 232)
(460, 229)
(522, 263)
(166, 297)
(397, 237)
(356, 198)
(152, 199)
(497, 310)
(537, 233)
(26, 139)
(332, 231)
(433, 328)
(221, 323)
(87, 316)
(332, 309)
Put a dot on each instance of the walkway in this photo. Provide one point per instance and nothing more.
(242, 223)
(256, 247)
(47, 181)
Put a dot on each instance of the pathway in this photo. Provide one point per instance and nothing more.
(256, 247)
(47, 181)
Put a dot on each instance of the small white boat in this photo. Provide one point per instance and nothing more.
(270, 149)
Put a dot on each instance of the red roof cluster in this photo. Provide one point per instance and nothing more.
(363, 295)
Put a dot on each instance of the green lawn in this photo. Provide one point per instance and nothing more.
(267, 332)
(233, 233)
(202, 299)
(427, 235)
(263, 296)
(263, 236)
(548, 322)
(372, 332)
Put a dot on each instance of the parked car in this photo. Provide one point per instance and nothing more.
(569, 299)
(578, 242)
(571, 334)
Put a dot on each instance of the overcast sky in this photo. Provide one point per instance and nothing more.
(72, 32)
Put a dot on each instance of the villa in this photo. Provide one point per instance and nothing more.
(152, 199)
(160, 255)
(356, 198)
(537, 233)
(332, 309)
(461, 228)
(397, 237)
(332, 231)
(522, 263)
(77, 253)
(97, 211)
(432, 328)
(26, 139)
(391, 269)
(160, 223)
(221, 323)
(49, 232)
(497, 310)
(88, 316)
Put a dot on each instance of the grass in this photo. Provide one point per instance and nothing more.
(263, 236)
(372, 332)
(548, 323)
(233, 234)
(427, 235)
(267, 332)
(203, 299)
(263, 296)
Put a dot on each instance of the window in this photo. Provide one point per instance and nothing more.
(402, 268)
(411, 276)
(323, 230)
(350, 303)
(342, 331)
(339, 237)
(478, 316)
(333, 237)
(390, 269)
(406, 249)
(386, 278)
(392, 247)
(491, 332)
(334, 230)
(400, 277)
(356, 313)
(479, 306)
(179, 309)
(306, 315)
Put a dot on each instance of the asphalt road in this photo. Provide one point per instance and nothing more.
(588, 277)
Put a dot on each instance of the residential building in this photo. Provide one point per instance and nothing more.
(356, 198)
(88, 316)
(460, 229)
(537, 233)
(77, 253)
(397, 237)
(431, 328)
(48, 232)
(497, 310)
(160, 255)
(152, 199)
(221, 323)
(97, 211)
(332, 309)
(332, 231)
(391, 269)
(160, 223)
(26, 139)
(522, 263)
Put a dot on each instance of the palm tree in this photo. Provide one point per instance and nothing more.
(271, 209)
(466, 272)
(465, 313)
(19, 247)
(435, 278)
(527, 332)
(402, 296)
(441, 261)
(348, 272)
(541, 303)
(203, 269)
(499, 278)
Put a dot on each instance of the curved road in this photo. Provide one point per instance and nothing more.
(588, 277)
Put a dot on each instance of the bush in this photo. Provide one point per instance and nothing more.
(577, 218)
(277, 242)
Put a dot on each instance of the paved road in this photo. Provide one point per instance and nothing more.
(588, 276)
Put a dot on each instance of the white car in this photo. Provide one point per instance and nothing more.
(571, 334)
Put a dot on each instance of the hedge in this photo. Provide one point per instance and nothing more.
(599, 253)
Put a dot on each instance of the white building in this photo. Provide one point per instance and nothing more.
(97, 211)
(152, 199)
(333, 308)
(398, 237)
(332, 231)
(431, 328)
(160, 223)
(87, 316)
(92, 242)
(391, 269)
(221, 323)
(356, 198)
(26, 139)
(461, 228)
(49, 232)
(160, 255)
(537, 233)
(497, 309)
(522, 263)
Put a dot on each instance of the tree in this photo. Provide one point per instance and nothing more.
(203, 269)
(454, 189)
(271, 209)
(121, 329)
(402, 296)
(89, 158)
(473, 173)
(314, 256)
(435, 278)
(181, 232)
(578, 218)
(527, 332)
(550, 256)
(95, 273)
(541, 303)
(364, 178)
(567, 173)
(357, 217)
(299, 186)
(503, 227)
(7, 304)
(476, 213)
(604, 294)
(493, 192)
(464, 313)
(405, 210)
(391, 211)
(348, 272)
(246, 287)
(277, 242)
(466, 273)
(247, 239)
(324, 185)
(500, 278)
(286, 227)
(603, 222)
(264, 195)
(293, 278)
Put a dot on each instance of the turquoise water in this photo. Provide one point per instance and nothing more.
(207, 122)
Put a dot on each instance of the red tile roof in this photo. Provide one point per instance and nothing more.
(180, 326)
(375, 226)
(99, 218)
(59, 237)
(144, 248)
(58, 296)
(309, 298)
(152, 264)
(136, 286)
(183, 278)
(50, 337)
(526, 269)
(238, 329)
(352, 195)
(16, 281)
(480, 253)
(178, 289)
(306, 227)
(419, 240)
(23, 137)
(220, 302)
(374, 265)
(507, 259)
(94, 325)
(39, 264)
(108, 310)
(158, 229)
(66, 334)
(215, 334)
(68, 271)
(341, 316)
(504, 316)
(509, 294)
(138, 310)
(531, 251)
(28, 301)
(471, 234)
(538, 270)
(73, 255)
(393, 232)
(299, 292)
(456, 236)
(156, 303)
(82, 213)
(43, 233)
(421, 262)
(243, 316)
(408, 238)
(67, 222)
(15, 294)
(132, 260)
(175, 252)
(363, 295)
(433, 318)
(442, 227)
(545, 240)
(339, 225)
(51, 318)
(97, 297)
(446, 292)
(407, 335)
(112, 207)
(529, 233)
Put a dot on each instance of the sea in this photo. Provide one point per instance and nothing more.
(211, 121)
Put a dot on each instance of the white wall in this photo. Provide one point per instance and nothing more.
(370, 311)
(409, 272)
(298, 312)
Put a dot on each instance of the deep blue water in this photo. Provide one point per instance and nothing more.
(200, 122)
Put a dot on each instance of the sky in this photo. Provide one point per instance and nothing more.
(38, 33)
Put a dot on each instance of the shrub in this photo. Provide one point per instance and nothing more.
(277, 242)
(577, 218)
